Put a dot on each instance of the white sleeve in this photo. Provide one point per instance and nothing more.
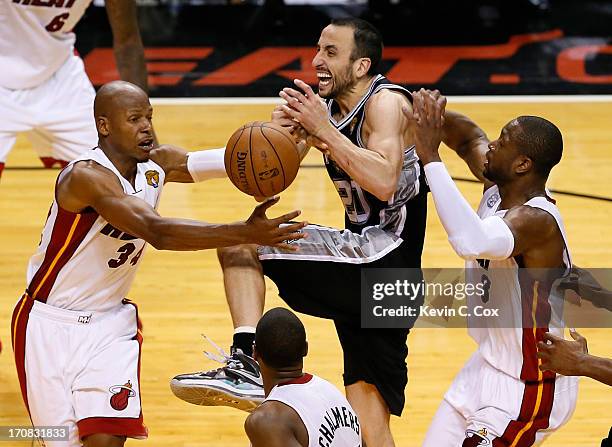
(470, 236)
(207, 164)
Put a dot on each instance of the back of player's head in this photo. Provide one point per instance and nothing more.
(368, 41)
(280, 338)
(541, 141)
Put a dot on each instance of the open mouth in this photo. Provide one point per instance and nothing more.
(324, 78)
(146, 144)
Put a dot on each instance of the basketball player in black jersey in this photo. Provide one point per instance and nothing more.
(357, 121)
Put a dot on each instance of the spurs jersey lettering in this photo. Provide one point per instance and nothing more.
(36, 38)
(82, 262)
(328, 417)
(529, 307)
(397, 217)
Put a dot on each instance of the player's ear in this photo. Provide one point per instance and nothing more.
(305, 349)
(523, 165)
(363, 64)
(102, 125)
(255, 353)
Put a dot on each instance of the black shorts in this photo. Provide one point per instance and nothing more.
(331, 289)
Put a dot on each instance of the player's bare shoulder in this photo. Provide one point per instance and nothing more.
(531, 220)
(80, 183)
(270, 413)
(273, 421)
(383, 112)
(536, 236)
(387, 100)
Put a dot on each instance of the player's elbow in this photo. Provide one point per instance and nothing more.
(156, 234)
(385, 189)
(471, 249)
(465, 251)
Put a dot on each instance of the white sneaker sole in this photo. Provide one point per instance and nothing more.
(211, 395)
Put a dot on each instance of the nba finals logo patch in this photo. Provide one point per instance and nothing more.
(121, 394)
(152, 178)
(492, 200)
(476, 438)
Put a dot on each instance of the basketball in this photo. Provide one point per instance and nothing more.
(261, 159)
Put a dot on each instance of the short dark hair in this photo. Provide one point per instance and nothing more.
(541, 141)
(280, 338)
(368, 41)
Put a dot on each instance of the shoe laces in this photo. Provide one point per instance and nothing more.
(221, 356)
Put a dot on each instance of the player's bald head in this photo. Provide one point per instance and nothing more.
(118, 95)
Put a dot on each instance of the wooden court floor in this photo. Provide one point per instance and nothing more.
(180, 295)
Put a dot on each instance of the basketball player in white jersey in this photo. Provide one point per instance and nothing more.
(44, 90)
(300, 409)
(517, 243)
(76, 338)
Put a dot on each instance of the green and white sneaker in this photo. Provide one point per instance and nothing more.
(238, 384)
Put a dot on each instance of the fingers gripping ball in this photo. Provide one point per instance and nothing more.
(261, 159)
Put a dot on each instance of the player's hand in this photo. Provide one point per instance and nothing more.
(265, 231)
(283, 119)
(303, 137)
(562, 356)
(587, 287)
(307, 108)
(427, 116)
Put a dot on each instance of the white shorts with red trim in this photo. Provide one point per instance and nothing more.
(79, 369)
(485, 406)
(57, 116)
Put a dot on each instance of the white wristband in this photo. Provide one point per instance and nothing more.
(207, 164)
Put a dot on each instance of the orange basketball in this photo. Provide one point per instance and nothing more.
(261, 159)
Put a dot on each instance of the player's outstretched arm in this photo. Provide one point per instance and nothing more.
(571, 358)
(376, 170)
(187, 167)
(127, 43)
(470, 237)
(89, 185)
(273, 427)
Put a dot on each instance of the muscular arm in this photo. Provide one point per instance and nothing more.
(89, 185)
(127, 44)
(378, 168)
(273, 426)
(469, 141)
(537, 237)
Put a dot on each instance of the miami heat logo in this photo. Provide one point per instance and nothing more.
(121, 394)
(152, 178)
(476, 438)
